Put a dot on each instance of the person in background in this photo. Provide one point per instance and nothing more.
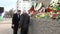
(15, 21)
(24, 22)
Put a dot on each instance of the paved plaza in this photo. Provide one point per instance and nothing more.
(5, 29)
(41, 26)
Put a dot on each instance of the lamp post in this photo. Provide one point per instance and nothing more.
(17, 4)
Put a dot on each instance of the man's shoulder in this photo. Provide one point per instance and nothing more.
(15, 14)
(22, 14)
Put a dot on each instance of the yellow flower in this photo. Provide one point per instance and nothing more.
(43, 15)
(54, 8)
(58, 12)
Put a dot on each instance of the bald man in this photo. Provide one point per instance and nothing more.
(24, 22)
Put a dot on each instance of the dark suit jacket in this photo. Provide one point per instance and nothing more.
(15, 20)
(24, 21)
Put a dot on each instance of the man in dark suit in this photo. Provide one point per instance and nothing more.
(24, 23)
(15, 21)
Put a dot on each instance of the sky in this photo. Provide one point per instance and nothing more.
(8, 4)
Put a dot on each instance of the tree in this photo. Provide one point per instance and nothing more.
(11, 12)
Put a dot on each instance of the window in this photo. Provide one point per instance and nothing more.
(1, 9)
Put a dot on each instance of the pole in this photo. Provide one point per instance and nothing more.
(17, 4)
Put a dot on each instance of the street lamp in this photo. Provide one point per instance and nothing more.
(17, 4)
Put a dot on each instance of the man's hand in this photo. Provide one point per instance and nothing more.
(12, 26)
(19, 29)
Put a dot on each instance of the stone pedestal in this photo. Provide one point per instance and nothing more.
(44, 26)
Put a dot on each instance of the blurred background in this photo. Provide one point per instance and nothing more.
(9, 7)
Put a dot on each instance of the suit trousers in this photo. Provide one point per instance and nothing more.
(24, 30)
(15, 30)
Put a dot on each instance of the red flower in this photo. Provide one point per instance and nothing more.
(56, 11)
(59, 5)
(54, 16)
(49, 10)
